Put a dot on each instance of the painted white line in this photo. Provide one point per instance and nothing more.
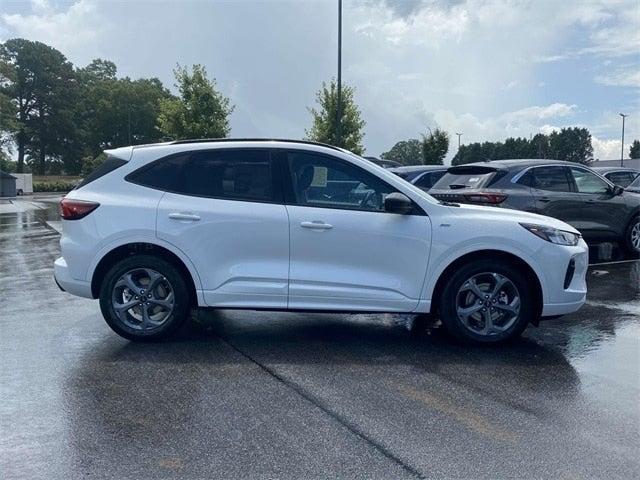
(612, 263)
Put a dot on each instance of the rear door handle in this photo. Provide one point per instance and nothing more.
(316, 225)
(544, 199)
(184, 216)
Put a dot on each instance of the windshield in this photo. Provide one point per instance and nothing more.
(453, 181)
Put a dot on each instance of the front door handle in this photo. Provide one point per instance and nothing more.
(316, 225)
(544, 199)
(189, 217)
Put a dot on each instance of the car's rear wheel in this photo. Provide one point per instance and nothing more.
(632, 237)
(487, 301)
(144, 298)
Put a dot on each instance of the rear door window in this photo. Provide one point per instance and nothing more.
(552, 179)
(234, 174)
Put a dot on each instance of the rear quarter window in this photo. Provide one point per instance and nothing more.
(108, 166)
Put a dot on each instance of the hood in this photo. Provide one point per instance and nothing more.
(507, 214)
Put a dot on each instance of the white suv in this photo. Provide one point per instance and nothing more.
(292, 225)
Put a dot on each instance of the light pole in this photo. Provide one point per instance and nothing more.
(459, 135)
(622, 147)
(339, 102)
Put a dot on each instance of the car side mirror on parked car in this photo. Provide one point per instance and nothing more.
(617, 190)
(397, 202)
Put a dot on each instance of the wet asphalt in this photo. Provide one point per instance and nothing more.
(242, 394)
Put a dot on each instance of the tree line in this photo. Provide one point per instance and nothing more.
(59, 118)
(56, 118)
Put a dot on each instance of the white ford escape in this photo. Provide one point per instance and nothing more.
(266, 224)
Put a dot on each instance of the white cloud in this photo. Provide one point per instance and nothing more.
(620, 78)
(541, 113)
(75, 29)
(606, 149)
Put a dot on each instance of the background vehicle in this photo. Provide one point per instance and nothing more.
(618, 176)
(570, 192)
(295, 225)
(422, 176)
(635, 186)
(384, 163)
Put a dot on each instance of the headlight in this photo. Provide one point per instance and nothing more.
(553, 235)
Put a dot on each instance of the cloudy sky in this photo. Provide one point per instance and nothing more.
(487, 68)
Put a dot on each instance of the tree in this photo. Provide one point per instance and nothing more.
(406, 152)
(115, 112)
(325, 119)
(200, 112)
(572, 145)
(634, 149)
(41, 86)
(435, 147)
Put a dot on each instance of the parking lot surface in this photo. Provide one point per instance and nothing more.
(242, 394)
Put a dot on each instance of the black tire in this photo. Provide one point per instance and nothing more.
(453, 323)
(176, 283)
(632, 250)
(19, 192)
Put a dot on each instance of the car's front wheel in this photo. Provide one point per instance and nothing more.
(144, 298)
(487, 301)
(632, 239)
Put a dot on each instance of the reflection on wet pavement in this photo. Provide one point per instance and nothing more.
(242, 394)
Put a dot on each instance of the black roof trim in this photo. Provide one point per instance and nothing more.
(222, 140)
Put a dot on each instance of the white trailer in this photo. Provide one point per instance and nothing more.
(24, 183)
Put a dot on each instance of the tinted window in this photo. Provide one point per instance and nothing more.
(429, 179)
(234, 174)
(109, 165)
(319, 181)
(527, 179)
(553, 179)
(165, 174)
(587, 182)
(455, 181)
(623, 179)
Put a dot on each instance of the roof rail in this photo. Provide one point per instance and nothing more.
(221, 140)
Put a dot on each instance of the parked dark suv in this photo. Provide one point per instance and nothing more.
(568, 191)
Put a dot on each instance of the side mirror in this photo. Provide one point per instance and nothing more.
(397, 202)
(617, 190)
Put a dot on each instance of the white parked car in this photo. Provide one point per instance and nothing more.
(292, 225)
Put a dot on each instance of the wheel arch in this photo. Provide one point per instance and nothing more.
(125, 250)
(508, 257)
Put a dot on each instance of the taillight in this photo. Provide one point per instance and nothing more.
(71, 209)
(492, 198)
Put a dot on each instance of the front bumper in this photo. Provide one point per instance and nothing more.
(566, 295)
(67, 283)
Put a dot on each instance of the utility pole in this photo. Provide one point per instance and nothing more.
(459, 135)
(339, 102)
(129, 123)
(622, 147)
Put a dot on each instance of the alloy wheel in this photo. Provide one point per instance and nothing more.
(488, 304)
(635, 236)
(143, 299)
